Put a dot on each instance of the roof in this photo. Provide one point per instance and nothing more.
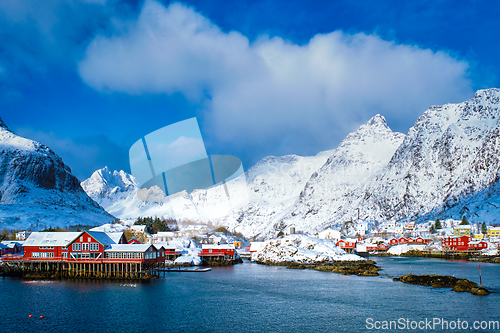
(115, 236)
(101, 237)
(214, 246)
(463, 227)
(128, 248)
(141, 228)
(51, 238)
(165, 246)
(12, 243)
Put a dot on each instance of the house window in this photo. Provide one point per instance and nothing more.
(77, 247)
(81, 239)
(64, 254)
(85, 255)
(88, 239)
(85, 246)
(94, 246)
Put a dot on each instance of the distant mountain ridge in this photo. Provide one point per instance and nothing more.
(38, 190)
(447, 165)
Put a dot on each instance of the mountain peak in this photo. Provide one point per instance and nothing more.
(377, 120)
(2, 125)
(487, 93)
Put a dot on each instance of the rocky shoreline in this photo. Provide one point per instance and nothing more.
(490, 259)
(444, 281)
(359, 267)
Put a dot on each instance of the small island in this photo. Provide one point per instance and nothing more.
(444, 281)
(305, 252)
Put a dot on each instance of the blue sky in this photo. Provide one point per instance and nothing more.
(90, 78)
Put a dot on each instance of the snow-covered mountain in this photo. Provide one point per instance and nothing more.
(38, 190)
(274, 181)
(358, 159)
(274, 186)
(447, 165)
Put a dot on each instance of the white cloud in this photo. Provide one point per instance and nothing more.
(273, 92)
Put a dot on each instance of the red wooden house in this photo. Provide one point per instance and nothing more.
(348, 246)
(48, 246)
(217, 252)
(402, 240)
(89, 245)
(411, 240)
(393, 241)
(132, 253)
(477, 245)
(172, 253)
(456, 243)
(11, 247)
(383, 247)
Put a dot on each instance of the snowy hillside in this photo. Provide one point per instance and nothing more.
(359, 158)
(273, 181)
(449, 161)
(37, 189)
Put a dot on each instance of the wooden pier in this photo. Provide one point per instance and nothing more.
(88, 269)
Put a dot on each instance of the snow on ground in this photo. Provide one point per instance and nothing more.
(403, 248)
(490, 252)
(301, 249)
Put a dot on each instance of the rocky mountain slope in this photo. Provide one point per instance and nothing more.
(448, 161)
(38, 190)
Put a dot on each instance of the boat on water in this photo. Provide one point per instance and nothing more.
(190, 270)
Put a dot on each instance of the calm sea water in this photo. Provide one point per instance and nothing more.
(247, 298)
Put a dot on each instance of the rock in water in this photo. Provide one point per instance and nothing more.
(444, 281)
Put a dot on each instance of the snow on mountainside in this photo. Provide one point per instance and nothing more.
(271, 181)
(360, 157)
(449, 161)
(37, 189)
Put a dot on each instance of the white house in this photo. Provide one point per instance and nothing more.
(22, 235)
(329, 234)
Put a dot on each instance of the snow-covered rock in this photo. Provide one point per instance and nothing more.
(37, 190)
(301, 249)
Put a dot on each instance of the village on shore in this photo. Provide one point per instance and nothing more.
(128, 251)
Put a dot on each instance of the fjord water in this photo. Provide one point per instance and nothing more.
(247, 298)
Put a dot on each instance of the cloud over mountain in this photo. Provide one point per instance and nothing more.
(270, 89)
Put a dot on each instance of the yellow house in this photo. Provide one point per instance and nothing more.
(493, 231)
(462, 230)
(478, 236)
